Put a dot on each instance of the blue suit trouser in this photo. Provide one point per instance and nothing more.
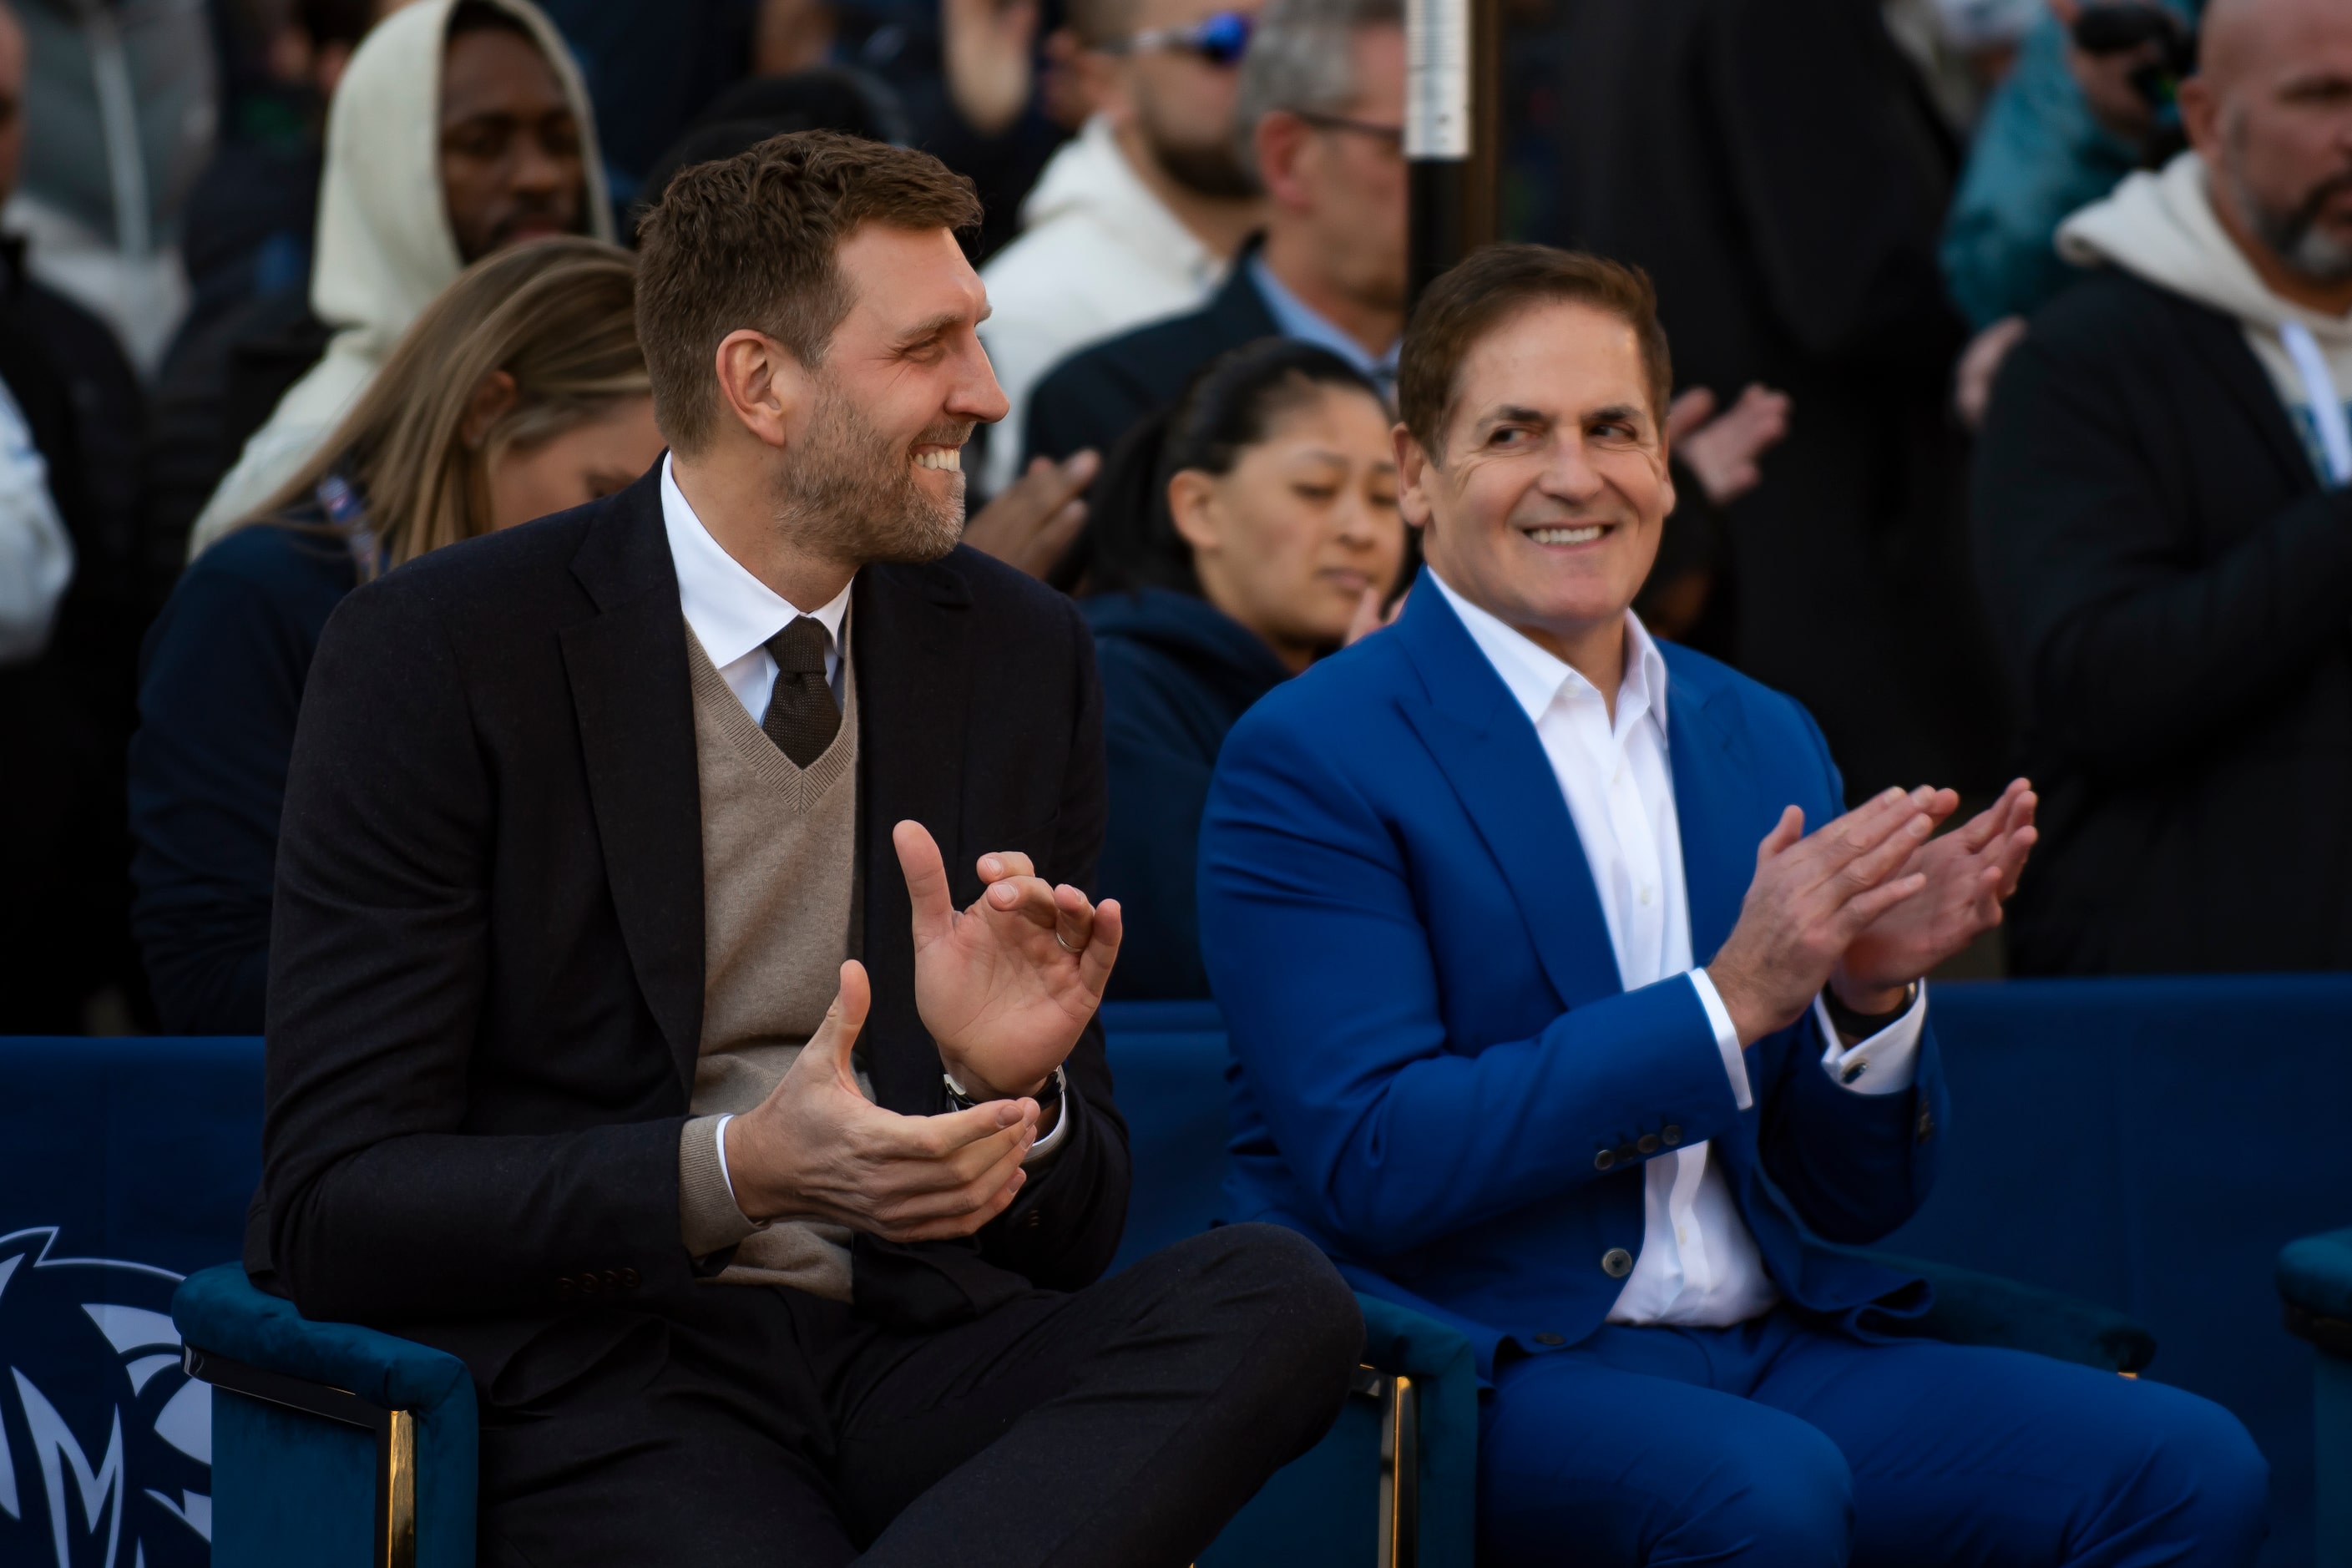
(1774, 1443)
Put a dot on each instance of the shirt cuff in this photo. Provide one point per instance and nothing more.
(1888, 1062)
(709, 1219)
(1046, 1147)
(1727, 1038)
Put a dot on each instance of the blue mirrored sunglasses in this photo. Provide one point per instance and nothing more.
(1220, 40)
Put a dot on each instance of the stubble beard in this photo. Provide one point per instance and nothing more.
(2293, 234)
(850, 492)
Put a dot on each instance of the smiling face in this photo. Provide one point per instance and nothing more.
(1545, 504)
(1287, 540)
(874, 472)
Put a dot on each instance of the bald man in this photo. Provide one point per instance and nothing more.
(2164, 509)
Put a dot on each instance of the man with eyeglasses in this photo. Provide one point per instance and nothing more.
(1322, 100)
(1141, 216)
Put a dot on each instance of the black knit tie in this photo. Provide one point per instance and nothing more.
(802, 718)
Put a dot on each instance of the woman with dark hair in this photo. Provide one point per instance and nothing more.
(1236, 539)
(519, 392)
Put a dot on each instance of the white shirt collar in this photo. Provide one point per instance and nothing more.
(1536, 677)
(732, 611)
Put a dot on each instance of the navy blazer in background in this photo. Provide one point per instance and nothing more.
(220, 685)
(1432, 1046)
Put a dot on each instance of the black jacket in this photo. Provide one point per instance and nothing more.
(1776, 168)
(1099, 394)
(1176, 672)
(2174, 594)
(487, 959)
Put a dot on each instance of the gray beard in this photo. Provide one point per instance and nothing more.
(2294, 235)
(849, 494)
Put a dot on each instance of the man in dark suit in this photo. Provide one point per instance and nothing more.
(625, 1039)
(2164, 519)
(1552, 1021)
(1776, 168)
(1322, 97)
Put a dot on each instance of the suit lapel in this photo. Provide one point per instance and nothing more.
(2223, 344)
(1482, 742)
(1718, 852)
(632, 697)
(909, 626)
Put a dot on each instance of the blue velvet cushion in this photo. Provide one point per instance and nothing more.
(2316, 1274)
(312, 1475)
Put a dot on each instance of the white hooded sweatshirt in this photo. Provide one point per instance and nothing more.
(2160, 227)
(1099, 253)
(385, 248)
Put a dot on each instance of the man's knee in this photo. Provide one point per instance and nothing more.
(1788, 1500)
(2199, 1480)
(1288, 1317)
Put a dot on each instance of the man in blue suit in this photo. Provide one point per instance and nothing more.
(1456, 885)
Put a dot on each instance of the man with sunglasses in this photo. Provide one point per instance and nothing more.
(1140, 216)
(1322, 98)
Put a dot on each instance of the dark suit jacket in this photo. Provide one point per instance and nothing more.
(1099, 394)
(1775, 166)
(2174, 595)
(1440, 1075)
(486, 961)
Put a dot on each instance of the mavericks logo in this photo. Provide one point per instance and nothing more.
(105, 1443)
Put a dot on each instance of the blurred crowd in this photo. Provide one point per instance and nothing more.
(2012, 343)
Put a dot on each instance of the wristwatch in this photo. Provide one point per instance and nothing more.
(1046, 1097)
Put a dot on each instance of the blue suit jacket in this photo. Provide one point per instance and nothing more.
(1432, 1044)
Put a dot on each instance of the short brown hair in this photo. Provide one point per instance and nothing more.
(751, 241)
(1492, 285)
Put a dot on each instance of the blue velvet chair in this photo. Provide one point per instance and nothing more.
(2315, 1279)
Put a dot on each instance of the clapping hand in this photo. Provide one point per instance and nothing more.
(1005, 986)
(1967, 873)
(817, 1149)
(1811, 897)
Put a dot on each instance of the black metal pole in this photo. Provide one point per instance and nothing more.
(1452, 51)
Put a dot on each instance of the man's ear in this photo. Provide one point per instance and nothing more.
(493, 400)
(2201, 117)
(1192, 506)
(1415, 473)
(1279, 139)
(761, 385)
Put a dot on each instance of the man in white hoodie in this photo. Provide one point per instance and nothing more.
(459, 127)
(1142, 215)
(2164, 512)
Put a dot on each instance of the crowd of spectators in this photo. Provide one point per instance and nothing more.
(2013, 345)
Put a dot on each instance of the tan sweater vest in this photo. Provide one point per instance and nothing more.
(779, 910)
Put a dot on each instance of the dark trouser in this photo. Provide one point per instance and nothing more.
(1120, 1425)
(1774, 1445)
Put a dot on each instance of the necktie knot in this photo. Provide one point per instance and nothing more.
(799, 648)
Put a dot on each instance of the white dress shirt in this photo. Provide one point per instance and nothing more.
(1698, 1263)
(733, 615)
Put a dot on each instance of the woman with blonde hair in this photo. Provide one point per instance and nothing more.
(520, 391)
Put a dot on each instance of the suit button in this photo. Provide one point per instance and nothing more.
(1669, 1135)
(1926, 1124)
(628, 1279)
(611, 1279)
(1603, 1160)
(1549, 1340)
(590, 1284)
(1647, 1144)
(564, 1288)
(1616, 1263)
(1853, 1072)
(1035, 1218)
